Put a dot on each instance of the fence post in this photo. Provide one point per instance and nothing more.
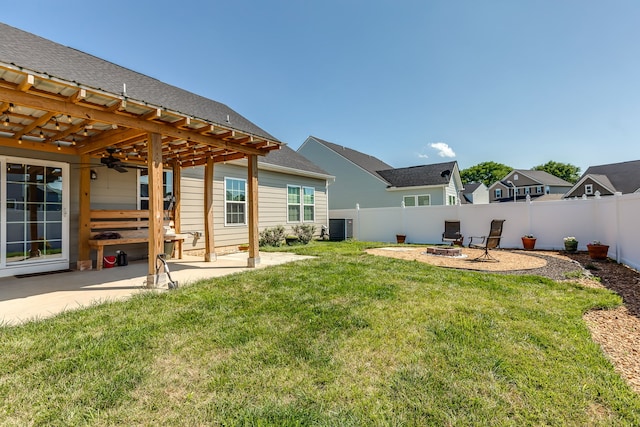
(358, 220)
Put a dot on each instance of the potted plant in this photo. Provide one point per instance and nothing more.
(528, 241)
(400, 238)
(597, 250)
(570, 244)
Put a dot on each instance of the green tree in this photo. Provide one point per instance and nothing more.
(565, 171)
(486, 172)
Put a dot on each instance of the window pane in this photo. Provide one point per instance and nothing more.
(294, 213)
(424, 200)
(309, 195)
(309, 213)
(293, 195)
(409, 201)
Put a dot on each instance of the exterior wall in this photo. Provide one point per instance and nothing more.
(611, 220)
(480, 196)
(352, 184)
(272, 203)
(580, 190)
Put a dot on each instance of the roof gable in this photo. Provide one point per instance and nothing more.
(624, 177)
(415, 176)
(369, 163)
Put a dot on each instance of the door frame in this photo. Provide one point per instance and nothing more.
(35, 265)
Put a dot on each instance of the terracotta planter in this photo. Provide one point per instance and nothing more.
(400, 238)
(598, 251)
(529, 243)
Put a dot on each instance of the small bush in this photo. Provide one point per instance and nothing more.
(272, 236)
(304, 232)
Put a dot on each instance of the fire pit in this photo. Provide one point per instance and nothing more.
(452, 252)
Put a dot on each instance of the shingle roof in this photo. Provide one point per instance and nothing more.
(624, 176)
(369, 163)
(471, 187)
(435, 174)
(40, 55)
(290, 158)
(544, 178)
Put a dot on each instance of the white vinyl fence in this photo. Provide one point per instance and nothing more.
(613, 220)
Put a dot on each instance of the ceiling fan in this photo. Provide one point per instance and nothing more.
(112, 162)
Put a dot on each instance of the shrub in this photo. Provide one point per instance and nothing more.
(272, 236)
(304, 232)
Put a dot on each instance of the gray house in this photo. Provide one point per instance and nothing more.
(520, 183)
(607, 180)
(475, 193)
(369, 182)
(80, 134)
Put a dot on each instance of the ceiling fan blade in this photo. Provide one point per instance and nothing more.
(120, 168)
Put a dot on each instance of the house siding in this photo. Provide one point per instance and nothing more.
(579, 191)
(272, 203)
(352, 185)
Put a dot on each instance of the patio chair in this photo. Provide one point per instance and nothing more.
(452, 233)
(491, 241)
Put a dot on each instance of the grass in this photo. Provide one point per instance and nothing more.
(342, 339)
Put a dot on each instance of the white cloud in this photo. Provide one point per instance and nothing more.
(423, 156)
(443, 149)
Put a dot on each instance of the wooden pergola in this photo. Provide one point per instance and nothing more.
(42, 113)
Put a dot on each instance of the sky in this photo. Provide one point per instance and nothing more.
(411, 82)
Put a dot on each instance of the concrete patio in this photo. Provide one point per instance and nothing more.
(38, 297)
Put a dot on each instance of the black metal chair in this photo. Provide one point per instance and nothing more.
(452, 233)
(491, 241)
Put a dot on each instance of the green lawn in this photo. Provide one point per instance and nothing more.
(342, 339)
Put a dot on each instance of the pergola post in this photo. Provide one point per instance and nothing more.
(209, 252)
(177, 177)
(252, 178)
(84, 217)
(156, 208)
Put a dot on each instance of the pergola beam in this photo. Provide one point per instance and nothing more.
(77, 110)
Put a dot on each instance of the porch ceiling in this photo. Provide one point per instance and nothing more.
(47, 114)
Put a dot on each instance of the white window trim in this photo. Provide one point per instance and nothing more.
(300, 204)
(497, 193)
(415, 199)
(139, 197)
(303, 205)
(588, 189)
(233, 224)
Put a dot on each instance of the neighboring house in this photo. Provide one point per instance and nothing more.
(607, 180)
(369, 182)
(475, 193)
(519, 184)
(61, 110)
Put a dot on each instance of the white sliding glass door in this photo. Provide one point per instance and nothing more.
(34, 226)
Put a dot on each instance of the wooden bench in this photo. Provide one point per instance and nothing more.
(131, 225)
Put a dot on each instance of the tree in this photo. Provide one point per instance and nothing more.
(486, 172)
(565, 171)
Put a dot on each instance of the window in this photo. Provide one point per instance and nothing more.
(301, 204)
(167, 188)
(423, 200)
(588, 189)
(498, 193)
(452, 200)
(293, 203)
(309, 204)
(539, 189)
(527, 190)
(235, 204)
